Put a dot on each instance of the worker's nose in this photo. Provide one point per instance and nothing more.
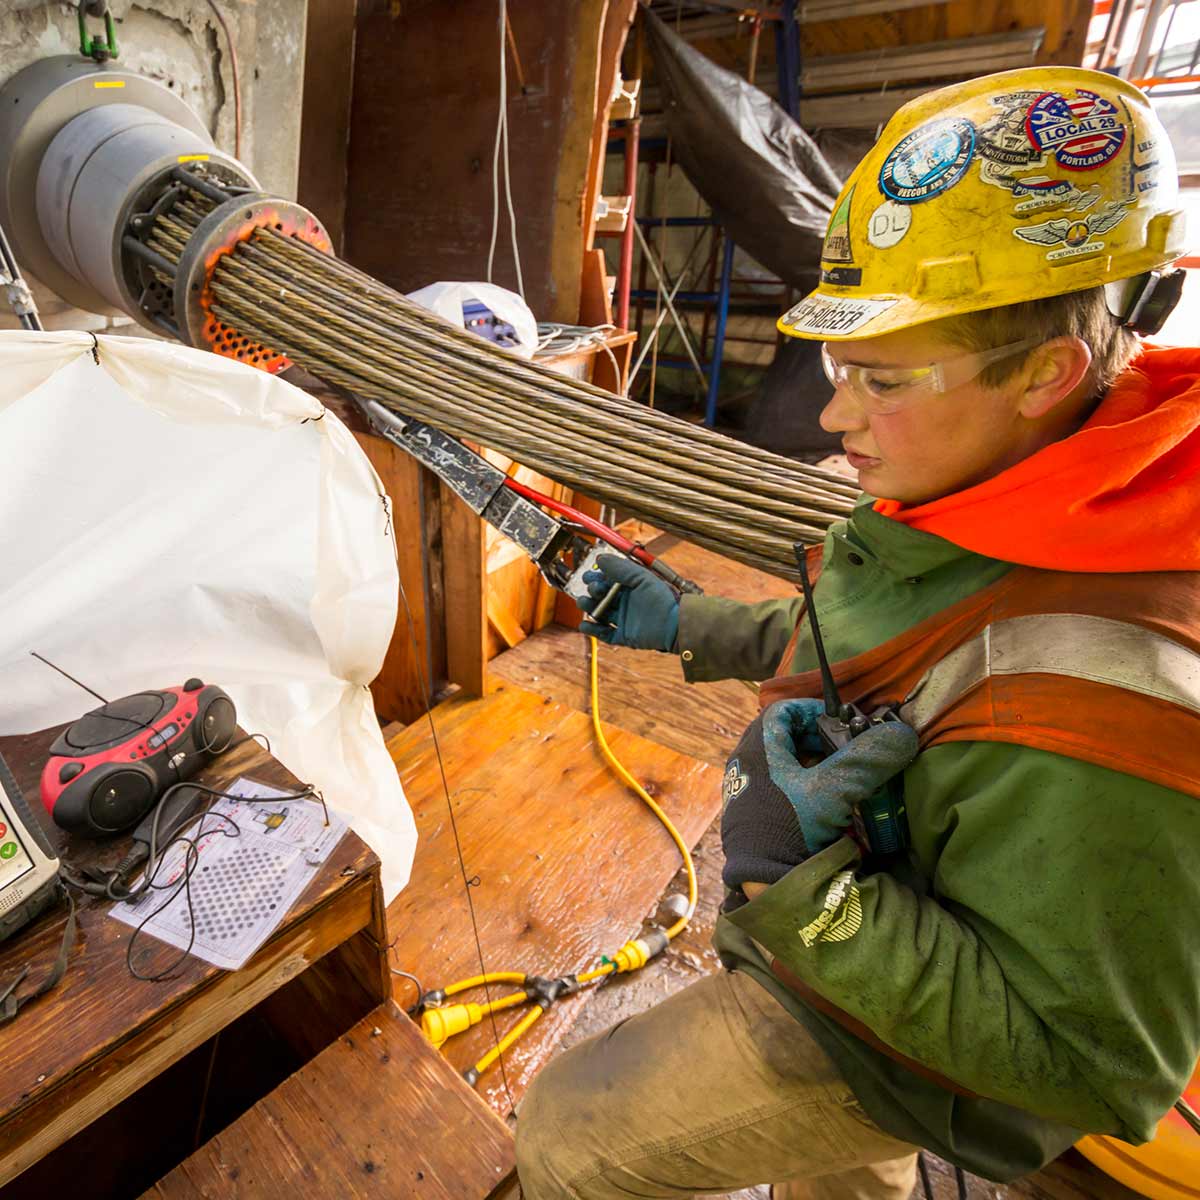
(843, 413)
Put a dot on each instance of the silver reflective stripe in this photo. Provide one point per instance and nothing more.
(1095, 648)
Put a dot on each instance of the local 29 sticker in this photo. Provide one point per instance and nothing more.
(1082, 134)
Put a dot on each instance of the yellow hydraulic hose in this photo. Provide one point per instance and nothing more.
(635, 787)
(440, 1024)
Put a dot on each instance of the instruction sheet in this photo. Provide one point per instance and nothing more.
(255, 855)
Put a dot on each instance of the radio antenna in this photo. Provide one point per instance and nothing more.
(91, 691)
(833, 703)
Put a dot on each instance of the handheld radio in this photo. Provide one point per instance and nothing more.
(28, 862)
(880, 822)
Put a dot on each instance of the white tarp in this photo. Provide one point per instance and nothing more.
(169, 513)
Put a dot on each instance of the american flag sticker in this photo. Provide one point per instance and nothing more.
(1082, 133)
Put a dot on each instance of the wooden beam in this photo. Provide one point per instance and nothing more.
(398, 689)
(325, 127)
(859, 110)
(931, 60)
(615, 24)
(503, 622)
(464, 581)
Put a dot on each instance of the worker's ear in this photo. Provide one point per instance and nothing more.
(1053, 371)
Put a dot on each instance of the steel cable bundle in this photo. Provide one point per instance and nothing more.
(351, 330)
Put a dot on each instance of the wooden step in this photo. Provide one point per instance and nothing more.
(379, 1114)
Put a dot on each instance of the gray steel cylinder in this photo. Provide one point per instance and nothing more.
(102, 167)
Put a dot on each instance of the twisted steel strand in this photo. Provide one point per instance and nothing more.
(348, 328)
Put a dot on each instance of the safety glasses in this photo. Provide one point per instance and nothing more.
(886, 389)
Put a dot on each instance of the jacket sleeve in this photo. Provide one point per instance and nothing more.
(725, 639)
(1053, 965)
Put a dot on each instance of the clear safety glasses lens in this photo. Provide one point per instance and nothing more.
(885, 389)
(881, 389)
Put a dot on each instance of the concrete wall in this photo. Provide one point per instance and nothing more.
(180, 44)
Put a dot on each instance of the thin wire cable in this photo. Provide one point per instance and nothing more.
(926, 1183)
(468, 882)
(512, 215)
(491, 259)
(502, 142)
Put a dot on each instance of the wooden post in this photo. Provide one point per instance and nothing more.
(464, 582)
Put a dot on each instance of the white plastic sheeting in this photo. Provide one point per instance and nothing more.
(167, 513)
(446, 299)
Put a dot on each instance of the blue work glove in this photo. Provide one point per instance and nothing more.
(645, 613)
(776, 812)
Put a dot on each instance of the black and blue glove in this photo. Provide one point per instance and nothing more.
(777, 812)
(645, 613)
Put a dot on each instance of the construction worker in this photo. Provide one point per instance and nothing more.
(1021, 576)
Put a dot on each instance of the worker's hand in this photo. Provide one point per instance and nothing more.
(645, 613)
(778, 812)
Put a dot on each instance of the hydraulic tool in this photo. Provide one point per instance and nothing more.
(516, 510)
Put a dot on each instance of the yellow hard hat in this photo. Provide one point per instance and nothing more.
(1011, 187)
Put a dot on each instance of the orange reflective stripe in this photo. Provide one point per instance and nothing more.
(1140, 719)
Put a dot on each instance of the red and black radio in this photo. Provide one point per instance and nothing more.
(108, 769)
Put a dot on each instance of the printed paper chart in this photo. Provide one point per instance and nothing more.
(254, 861)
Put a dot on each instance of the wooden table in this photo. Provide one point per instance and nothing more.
(97, 1038)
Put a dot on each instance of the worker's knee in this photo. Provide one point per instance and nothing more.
(543, 1152)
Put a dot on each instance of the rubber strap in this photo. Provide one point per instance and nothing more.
(13, 1003)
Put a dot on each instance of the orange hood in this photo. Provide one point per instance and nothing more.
(1121, 494)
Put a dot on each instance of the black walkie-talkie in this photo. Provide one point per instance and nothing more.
(881, 821)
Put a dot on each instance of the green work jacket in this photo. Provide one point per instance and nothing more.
(1040, 946)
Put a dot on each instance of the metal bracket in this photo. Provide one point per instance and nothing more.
(480, 486)
(98, 48)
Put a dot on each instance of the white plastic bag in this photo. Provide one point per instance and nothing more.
(169, 513)
(446, 299)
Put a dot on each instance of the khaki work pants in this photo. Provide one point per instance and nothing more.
(716, 1089)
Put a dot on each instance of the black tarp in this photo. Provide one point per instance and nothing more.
(761, 174)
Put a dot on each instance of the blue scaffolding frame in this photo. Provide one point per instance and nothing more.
(787, 55)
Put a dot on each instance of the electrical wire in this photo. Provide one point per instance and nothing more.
(502, 141)
(512, 215)
(191, 861)
(468, 882)
(1189, 1114)
(926, 1183)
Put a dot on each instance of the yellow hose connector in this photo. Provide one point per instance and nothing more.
(441, 1024)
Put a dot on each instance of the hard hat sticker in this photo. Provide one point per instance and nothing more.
(1037, 191)
(1002, 138)
(1082, 134)
(837, 236)
(1073, 235)
(928, 161)
(1034, 192)
(888, 224)
(834, 316)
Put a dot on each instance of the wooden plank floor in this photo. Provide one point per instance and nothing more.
(568, 862)
(376, 1115)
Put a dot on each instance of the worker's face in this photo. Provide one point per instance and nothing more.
(941, 442)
